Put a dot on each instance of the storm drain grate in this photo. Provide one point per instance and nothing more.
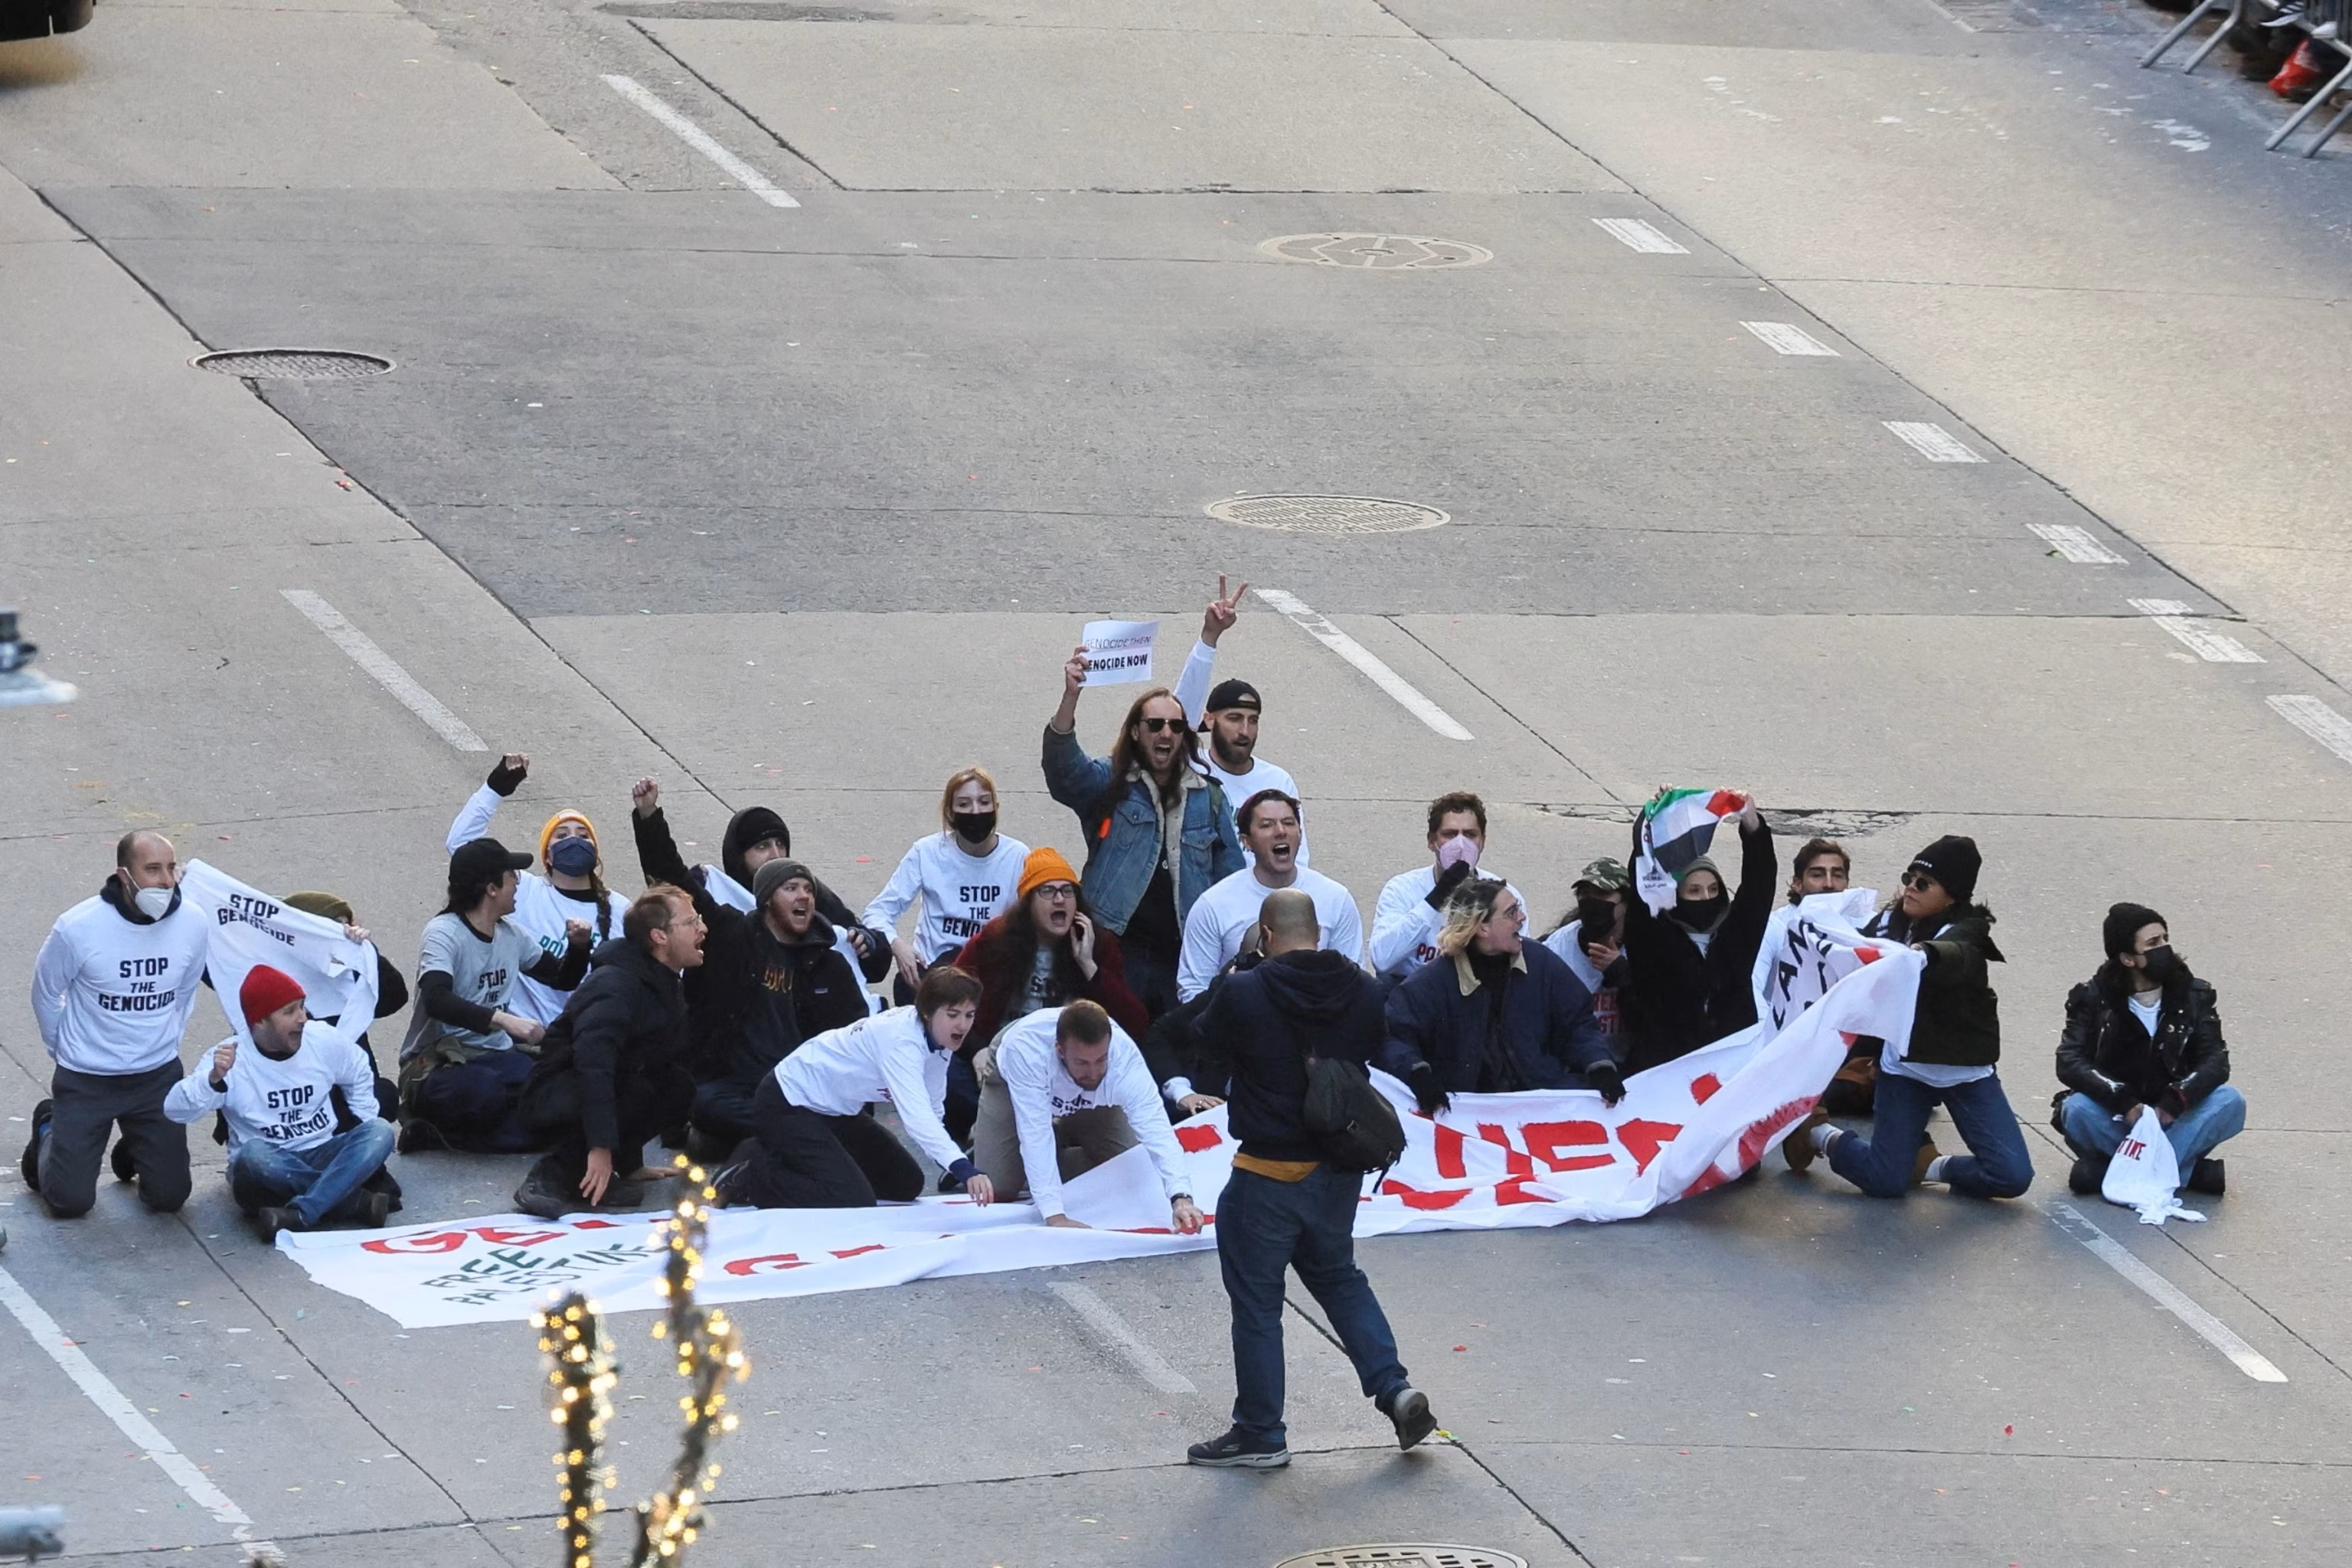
(293, 365)
(1404, 1555)
(1328, 514)
(1377, 252)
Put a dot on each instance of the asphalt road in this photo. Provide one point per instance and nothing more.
(789, 477)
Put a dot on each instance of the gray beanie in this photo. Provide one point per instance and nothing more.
(774, 874)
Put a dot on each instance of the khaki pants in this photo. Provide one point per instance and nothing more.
(1087, 1137)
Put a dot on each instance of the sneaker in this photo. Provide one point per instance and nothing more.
(727, 1184)
(1238, 1450)
(2303, 74)
(377, 1210)
(419, 1137)
(2088, 1175)
(1928, 1155)
(621, 1192)
(542, 1194)
(2288, 17)
(273, 1220)
(1797, 1147)
(2209, 1177)
(1409, 1409)
(31, 1163)
(119, 1162)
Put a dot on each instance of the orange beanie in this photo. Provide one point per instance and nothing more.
(1044, 866)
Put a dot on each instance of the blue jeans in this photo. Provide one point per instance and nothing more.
(2194, 1134)
(1265, 1227)
(1996, 1165)
(315, 1185)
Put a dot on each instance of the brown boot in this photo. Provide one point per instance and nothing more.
(1928, 1155)
(1797, 1147)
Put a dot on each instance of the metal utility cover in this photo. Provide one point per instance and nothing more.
(1404, 1555)
(1328, 514)
(1377, 252)
(293, 365)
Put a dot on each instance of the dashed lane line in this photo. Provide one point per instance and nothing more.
(702, 141)
(2075, 544)
(1932, 441)
(1408, 697)
(2316, 720)
(1641, 237)
(387, 673)
(2165, 1294)
(2207, 644)
(1104, 1318)
(1787, 338)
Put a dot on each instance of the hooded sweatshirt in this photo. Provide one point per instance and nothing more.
(111, 988)
(1256, 1036)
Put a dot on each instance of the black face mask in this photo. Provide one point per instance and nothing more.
(972, 826)
(1702, 914)
(1596, 919)
(2162, 963)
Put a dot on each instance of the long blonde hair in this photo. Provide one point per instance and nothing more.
(1472, 906)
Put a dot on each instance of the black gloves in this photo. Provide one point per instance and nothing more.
(1604, 1076)
(1427, 1092)
(1453, 877)
(504, 779)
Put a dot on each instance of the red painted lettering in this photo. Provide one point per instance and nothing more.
(1194, 1139)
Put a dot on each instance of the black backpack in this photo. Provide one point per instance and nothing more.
(1352, 1123)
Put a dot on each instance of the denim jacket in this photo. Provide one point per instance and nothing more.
(1123, 849)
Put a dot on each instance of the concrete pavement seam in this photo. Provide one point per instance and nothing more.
(1504, 708)
(714, 91)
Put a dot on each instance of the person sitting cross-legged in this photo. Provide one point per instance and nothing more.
(288, 1166)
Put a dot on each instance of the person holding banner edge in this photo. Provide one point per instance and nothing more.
(1689, 965)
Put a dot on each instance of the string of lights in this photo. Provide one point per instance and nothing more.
(709, 1356)
(580, 1387)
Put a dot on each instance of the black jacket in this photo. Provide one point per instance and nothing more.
(2105, 1052)
(755, 823)
(736, 1016)
(1957, 1021)
(1520, 1031)
(1676, 998)
(625, 1021)
(1253, 1040)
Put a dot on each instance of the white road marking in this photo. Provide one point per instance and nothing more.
(1104, 1318)
(2210, 646)
(1641, 236)
(1363, 658)
(2075, 544)
(101, 1390)
(381, 664)
(1932, 441)
(2165, 1294)
(1786, 338)
(2316, 720)
(702, 141)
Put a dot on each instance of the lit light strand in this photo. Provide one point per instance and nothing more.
(709, 1356)
(580, 1386)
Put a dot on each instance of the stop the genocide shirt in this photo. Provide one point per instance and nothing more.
(287, 1104)
(960, 892)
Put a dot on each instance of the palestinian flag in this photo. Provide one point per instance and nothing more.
(1677, 828)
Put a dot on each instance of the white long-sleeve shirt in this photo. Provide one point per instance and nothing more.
(1042, 1091)
(1224, 917)
(288, 1103)
(887, 1057)
(110, 997)
(960, 892)
(1192, 688)
(1404, 928)
(542, 910)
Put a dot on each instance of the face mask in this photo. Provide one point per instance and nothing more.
(972, 826)
(572, 857)
(152, 902)
(1598, 918)
(1457, 851)
(1702, 914)
(2162, 963)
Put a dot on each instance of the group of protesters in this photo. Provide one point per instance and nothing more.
(1042, 1018)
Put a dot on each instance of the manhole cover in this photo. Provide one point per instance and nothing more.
(1328, 514)
(1380, 252)
(293, 365)
(1404, 1555)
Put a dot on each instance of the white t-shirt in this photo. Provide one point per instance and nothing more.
(2147, 1012)
(1224, 917)
(1043, 1091)
(288, 1102)
(542, 910)
(112, 996)
(886, 1056)
(1192, 687)
(481, 969)
(1404, 928)
(960, 892)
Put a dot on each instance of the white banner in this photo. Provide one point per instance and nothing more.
(247, 927)
(1118, 653)
(1490, 1161)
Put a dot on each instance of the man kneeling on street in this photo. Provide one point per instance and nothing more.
(1061, 1093)
(288, 1166)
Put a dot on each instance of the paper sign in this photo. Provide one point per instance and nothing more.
(1118, 653)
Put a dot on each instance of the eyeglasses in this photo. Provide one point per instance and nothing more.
(1158, 726)
(1059, 892)
(1918, 880)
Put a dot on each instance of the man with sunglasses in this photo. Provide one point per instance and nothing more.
(1228, 715)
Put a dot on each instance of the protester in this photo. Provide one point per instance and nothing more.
(1955, 1043)
(1591, 939)
(962, 875)
(1688, 971)
(769, 980)
(1411, 912)
(1063, 1092)
(468, 1050)
(1506, 1014)
(1226, 918)
(287, 1166)
(391, 996)
(545, 907)
(1284, 1205)
(817, 1147)
(612, 1070)
(1159, 832)
(1822, 872)
(2145, 1033)
(1228, 714)
(755, 836)
(112, 989)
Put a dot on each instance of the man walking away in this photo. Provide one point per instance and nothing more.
(288, 1166)
(112, 990)
(611, 1071)
(1284, 1205)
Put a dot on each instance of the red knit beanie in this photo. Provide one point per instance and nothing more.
(264, 991)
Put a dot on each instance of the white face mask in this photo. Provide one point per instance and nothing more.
(152, 902)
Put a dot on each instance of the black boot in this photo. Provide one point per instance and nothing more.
(2206, 1177)
(2089, 1174)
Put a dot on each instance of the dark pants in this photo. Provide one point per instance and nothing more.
(963, 1097)
(643, 1104)
(88, 1107)
(806, 1160)
(1266, 1226)
(1996, 1165)
(477, 1105)
(1151, 975)
(722, 1111)
(318, 1183)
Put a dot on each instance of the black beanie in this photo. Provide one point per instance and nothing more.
(2122, 926)
(1954, 862)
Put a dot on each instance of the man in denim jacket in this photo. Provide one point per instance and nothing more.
(1159, 831)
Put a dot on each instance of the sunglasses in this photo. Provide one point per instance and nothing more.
(1918, 880)
(1157, 726)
